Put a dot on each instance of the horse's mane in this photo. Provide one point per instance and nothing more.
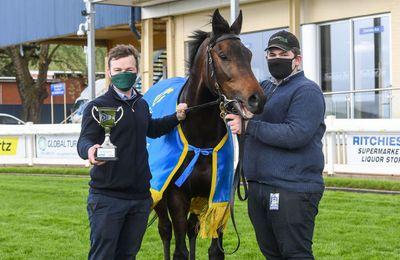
(197, 39)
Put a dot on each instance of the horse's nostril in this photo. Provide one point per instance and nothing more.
(256, 103)
(254, 100)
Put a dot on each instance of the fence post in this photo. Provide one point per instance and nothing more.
(29, 145)
(331, 144)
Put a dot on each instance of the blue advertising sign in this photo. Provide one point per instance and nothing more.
(57, 89)
(374, 29)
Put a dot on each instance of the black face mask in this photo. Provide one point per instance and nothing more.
(280, 68)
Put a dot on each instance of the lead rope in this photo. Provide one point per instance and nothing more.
(236, 181)
(227, 106)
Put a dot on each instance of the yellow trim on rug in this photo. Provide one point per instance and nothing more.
(215, 218)
(158, 194)
(212, 216)
(216, 215)
(215, 167)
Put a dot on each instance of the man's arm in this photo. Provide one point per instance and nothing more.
(162, 126)
(305, 115)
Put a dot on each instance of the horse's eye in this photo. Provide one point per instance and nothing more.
(222, 56)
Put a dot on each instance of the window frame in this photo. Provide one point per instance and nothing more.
(350, 23)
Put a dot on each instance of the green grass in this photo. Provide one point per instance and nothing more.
(363, 183)
(46, 170)
(44, 217)
(375, 184)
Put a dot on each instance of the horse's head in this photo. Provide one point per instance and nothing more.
(228, 64)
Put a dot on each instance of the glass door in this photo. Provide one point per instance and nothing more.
(371, 66)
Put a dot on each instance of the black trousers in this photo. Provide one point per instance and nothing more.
(284, 231)
(117, 226)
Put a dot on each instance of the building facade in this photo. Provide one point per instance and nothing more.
(349, 46)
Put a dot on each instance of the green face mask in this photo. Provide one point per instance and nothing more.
(124, 80)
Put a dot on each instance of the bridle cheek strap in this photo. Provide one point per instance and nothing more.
(226, 105)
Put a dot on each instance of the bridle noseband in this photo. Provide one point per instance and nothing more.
(226, 106)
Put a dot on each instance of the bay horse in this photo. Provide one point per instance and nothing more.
(219, 66)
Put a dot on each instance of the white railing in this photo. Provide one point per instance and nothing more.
(40, 144)
(362, 146)
(351, 146)
(365, 103)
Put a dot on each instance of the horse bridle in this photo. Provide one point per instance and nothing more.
(226, 106)
(229, 106)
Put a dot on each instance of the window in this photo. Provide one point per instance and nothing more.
(355, 59)
(256, 43)
(335, 57)
(335, 65)
(371, 66)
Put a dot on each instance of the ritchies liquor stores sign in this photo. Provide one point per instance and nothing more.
(373, 149)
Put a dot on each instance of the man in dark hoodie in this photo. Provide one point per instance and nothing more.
(283, 159)
(119, 200)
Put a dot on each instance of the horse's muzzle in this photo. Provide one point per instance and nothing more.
(256, 103)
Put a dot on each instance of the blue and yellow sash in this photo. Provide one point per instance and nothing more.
(167, 153)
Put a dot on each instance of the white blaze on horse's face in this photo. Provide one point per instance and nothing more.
(232, 63)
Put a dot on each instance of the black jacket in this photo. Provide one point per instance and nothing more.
(129, 176)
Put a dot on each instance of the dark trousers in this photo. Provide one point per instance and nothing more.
(117, 226)
(286, 232)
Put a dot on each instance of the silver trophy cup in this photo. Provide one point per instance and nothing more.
(107, 151)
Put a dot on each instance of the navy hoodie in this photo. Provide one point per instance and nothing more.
(283, 145)
(129, 176)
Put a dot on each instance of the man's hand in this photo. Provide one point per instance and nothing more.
(235, 123)
(91, 155)
(181, 111)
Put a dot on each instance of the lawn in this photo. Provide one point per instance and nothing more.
(364, 183)
(45, 218)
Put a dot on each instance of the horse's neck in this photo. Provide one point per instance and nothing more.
(203, 128)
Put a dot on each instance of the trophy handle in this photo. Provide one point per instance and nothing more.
(122, 113)
(94, 117)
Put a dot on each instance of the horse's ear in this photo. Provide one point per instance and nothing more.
(236, 27)
(219, 24)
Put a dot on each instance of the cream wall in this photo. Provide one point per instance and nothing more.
(273, 14)
(315, 11)
(253, 20)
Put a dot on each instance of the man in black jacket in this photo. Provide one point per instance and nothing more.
(119, 200)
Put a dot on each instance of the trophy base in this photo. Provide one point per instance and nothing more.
(106, 159)
(105, 154)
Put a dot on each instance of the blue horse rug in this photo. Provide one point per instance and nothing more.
(168, 152)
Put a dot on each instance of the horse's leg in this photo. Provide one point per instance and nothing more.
(214, 252)
(193, 222)
(178, 206)
(164, 227)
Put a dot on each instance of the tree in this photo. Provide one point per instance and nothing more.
(32, 92)
(6, 66)
(18, 60)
